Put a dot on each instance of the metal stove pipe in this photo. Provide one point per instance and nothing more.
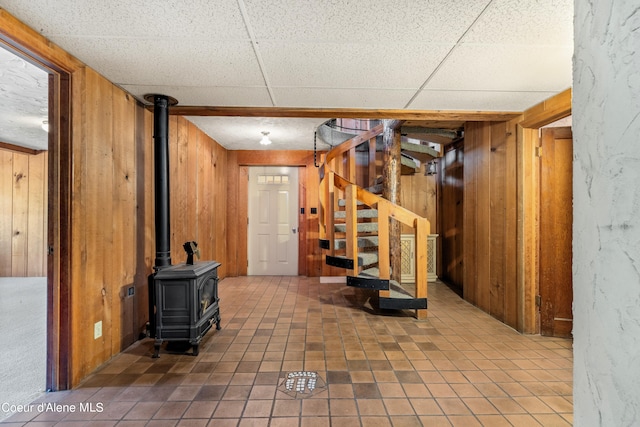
(161, 170)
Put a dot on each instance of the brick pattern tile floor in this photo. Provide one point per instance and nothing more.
(459, 367)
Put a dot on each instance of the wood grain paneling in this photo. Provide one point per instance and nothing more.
(23, 206)
(490, 205)
(113, 151)
(451, 215)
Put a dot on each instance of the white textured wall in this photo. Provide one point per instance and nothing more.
(606, 268)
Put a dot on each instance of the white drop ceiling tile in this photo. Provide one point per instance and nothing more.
(341, 98)
(478, 100)
(207, 95)
(244, 133)
(505, 68)
(125, 18)
(548, 22)
(351, 65)
(178, 62)
(431, 21)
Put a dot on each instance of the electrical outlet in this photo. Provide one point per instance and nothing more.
(97, 330)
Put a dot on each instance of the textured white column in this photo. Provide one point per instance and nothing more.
(606, 246)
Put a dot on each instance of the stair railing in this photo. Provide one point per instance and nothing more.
(332, 184)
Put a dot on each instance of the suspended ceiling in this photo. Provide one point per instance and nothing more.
(472, 55)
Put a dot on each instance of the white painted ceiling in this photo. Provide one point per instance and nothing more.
(488, 55)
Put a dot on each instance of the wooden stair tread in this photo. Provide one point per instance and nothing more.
(360, 213)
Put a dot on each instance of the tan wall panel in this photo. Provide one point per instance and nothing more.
(490, 208)
(23, 203)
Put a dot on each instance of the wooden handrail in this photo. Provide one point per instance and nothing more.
(352, 143)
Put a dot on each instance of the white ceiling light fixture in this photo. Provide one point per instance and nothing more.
(45, 125)
(265, 138)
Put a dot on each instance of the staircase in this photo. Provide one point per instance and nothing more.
(354, 228)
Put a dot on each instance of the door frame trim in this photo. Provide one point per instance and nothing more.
(33, 47)
(528, 205)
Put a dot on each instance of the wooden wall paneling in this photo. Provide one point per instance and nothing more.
(470, 226)
(243, 215)
(211, 197)
(177, 197)
(451, 216)
(193, 142)
(97, 208)
(23, 194)
(202, 209)
(529, 217)
(6, 210)
(186, 197)
(497, 220)
(511, 263)
(483, 218)
(145, 234)
(20, 216)
(80, 321)
(232, 213)
(124, 221)
(37, 227)
(219, 203)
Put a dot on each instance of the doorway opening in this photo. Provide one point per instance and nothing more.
(24, 142)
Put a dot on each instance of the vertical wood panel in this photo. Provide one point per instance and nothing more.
(511, 305)
(6, 210)
(191, 217)
(124, 221)
(232, 213)
(37, 231)
(483, 218)
(470, 207)
(497, 220)
(451, 216)
(23, 203)
(20, 216)
(490, 209)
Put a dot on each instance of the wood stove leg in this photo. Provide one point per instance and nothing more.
(196, 349)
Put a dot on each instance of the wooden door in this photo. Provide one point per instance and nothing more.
(556, 221)
(273, 221)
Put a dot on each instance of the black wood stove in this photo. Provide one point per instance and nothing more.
(183, 298)
(186, 303)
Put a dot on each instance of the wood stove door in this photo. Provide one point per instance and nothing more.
(273, 221)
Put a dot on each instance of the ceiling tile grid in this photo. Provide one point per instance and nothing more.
(462, 100)
(204, 19)
(492, 55)
(432, 21)
(177, 62)
(351, 65)
(503, 67)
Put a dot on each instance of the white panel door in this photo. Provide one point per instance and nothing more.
(273, 221)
